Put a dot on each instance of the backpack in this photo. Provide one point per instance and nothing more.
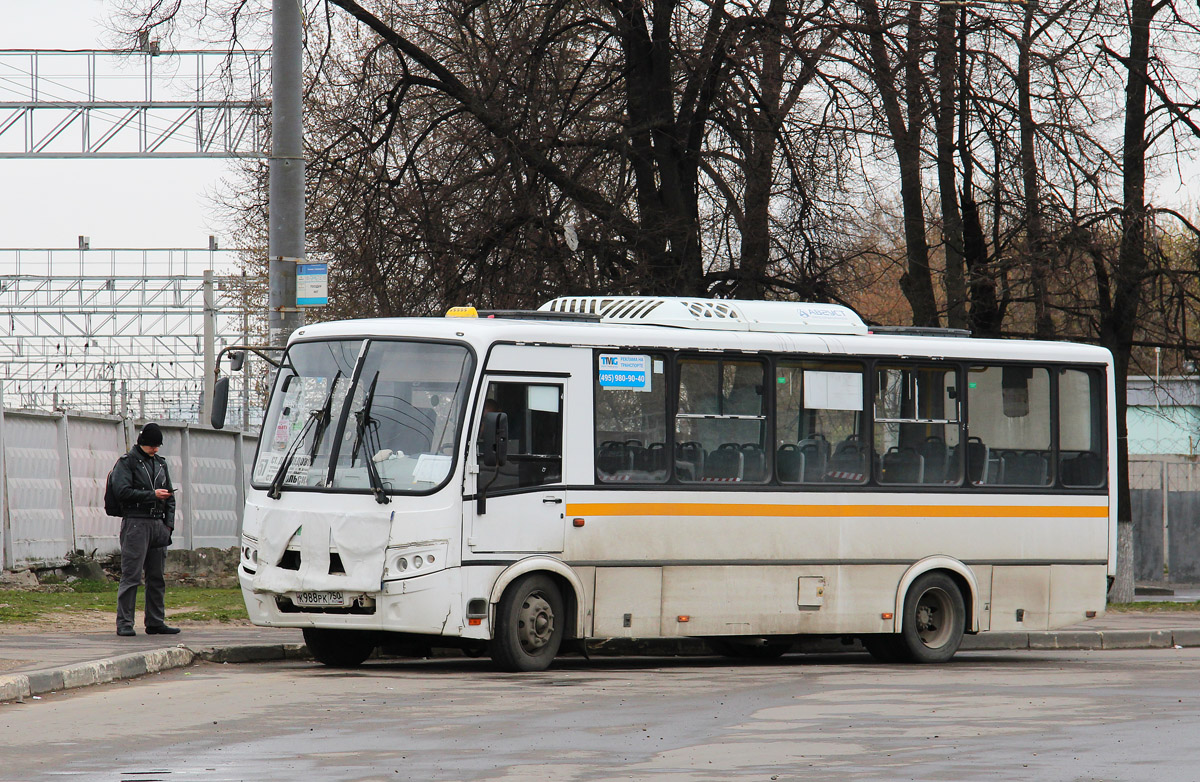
(112, 504)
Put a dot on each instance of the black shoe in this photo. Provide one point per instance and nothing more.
(125, 631)
(161, 630)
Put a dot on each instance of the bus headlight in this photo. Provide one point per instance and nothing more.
(249, 555)
(417, 560)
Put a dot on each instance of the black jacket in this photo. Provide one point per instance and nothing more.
(135, 477)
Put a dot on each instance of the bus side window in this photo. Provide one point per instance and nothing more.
(1082, 448)
(1011, 422)
(535, 428)
(631, 418)
(818, 419)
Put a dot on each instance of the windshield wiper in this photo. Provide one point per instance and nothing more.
(365, 428)
(318, 419)
(326, 414)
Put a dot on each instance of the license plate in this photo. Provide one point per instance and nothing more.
(319, 599)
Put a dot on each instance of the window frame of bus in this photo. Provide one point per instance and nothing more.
(666, 413)
(1097, 422)
(500, 488)
(763, 419)
(995, 454)
(878, 456)
(802, 363)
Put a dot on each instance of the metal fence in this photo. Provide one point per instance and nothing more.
(53, 468)
(1165, 495)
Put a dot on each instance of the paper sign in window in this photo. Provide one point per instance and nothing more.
(544, 398)
(833, 390)
(618, 370)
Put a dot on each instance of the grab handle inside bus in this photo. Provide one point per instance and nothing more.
(493, 451)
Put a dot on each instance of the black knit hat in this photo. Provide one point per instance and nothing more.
(150, 435)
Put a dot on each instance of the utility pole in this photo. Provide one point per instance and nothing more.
(285, 240)
(210, 343)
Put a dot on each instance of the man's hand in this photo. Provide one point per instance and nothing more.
(162, 494)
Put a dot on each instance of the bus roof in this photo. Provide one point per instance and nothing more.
(483, 332)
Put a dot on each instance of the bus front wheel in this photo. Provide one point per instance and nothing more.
(340, 648)
(529, 625)
(935, 617)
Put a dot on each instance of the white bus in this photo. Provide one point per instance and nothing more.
(749, 473)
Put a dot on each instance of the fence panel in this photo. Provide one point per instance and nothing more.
(40, 526)
(52, 484)
(1183, 513)
(1146, 509)
(93, 445)
(213, 488)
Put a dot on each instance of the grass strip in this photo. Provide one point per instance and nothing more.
(205, 604)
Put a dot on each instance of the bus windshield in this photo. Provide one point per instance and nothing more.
(385, 416)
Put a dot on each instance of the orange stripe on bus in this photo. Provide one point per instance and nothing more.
(902, 511)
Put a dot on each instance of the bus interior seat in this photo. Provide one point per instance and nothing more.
(979, 460)
(849, 461)
(935, 460)
(815, 450)
(754, 462)
(612, 458)
(725, 464)
(1023, 468)
(789, 463)
(689, 460)
(1083, 468)
(651, 459)
(635, 453)
(901, 465)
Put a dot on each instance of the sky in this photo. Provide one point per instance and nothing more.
(117, 203)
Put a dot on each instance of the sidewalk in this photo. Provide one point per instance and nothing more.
(32, 664)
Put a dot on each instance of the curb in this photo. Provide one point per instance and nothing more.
(17, 687)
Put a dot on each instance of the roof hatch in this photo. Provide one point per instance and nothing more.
(720, 314)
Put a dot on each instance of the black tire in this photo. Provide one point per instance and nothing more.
(340, 648)
(529, 625)
(750, 648)
(934, 619)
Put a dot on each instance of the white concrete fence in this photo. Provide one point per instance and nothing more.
(52, 472)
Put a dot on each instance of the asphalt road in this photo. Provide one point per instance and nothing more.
(1103, 715)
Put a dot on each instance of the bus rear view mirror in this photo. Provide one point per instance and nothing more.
(493, 440)
(236, 359)
(219, 403)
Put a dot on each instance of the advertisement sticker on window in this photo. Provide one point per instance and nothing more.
(619, 370)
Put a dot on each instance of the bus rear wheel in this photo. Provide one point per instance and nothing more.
(529, 625)
(935, 617)
(340, 648)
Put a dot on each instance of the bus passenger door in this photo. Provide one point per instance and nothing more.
(525, 503)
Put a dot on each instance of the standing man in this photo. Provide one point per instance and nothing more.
(143, 486)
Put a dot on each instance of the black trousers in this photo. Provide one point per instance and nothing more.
(138, 557)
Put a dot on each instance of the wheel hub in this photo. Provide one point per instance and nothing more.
(535, 623)
(931, 608)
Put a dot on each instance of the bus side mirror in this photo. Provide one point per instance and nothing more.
(493, 440)
(236, 359)
(220, 403)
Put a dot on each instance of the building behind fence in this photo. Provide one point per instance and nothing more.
(53, 468)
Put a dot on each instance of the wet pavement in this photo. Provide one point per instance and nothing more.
(32, 662)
